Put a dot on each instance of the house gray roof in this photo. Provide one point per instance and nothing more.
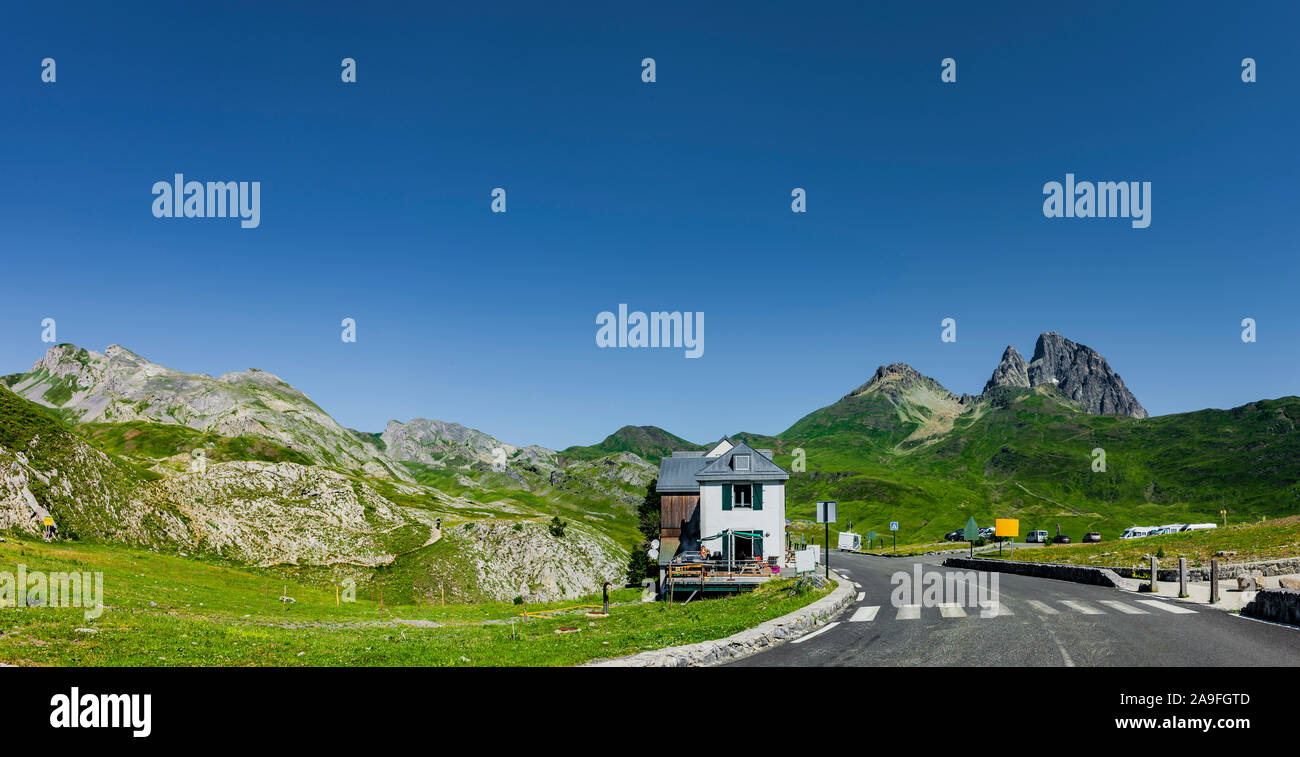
(677, 473)
(761, 467)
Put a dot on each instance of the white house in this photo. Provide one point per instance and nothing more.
(729, 501)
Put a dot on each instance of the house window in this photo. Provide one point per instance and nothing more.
(740, 462)
(743, 495)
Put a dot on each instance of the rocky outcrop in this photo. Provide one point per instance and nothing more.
(508, 556)
(1083, 375)
(451, 445)
(284, 513)
(1011, 371)
(120, 386)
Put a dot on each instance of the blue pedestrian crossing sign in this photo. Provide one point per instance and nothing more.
(893, 525)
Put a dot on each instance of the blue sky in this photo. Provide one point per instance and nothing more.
(924, 200)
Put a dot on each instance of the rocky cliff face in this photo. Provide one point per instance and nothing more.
(507, 556)
(451, 445)
(1081, 374)
(119, 386)
(1012, 371)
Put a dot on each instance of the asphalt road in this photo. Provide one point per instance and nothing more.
(1040, 622)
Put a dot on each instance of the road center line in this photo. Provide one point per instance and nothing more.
(818, 632)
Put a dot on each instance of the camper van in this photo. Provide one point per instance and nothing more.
(850, 542)
(1137, 532)
(1200, 526)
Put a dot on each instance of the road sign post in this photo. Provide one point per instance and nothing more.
(893, 530)
(826, 514)
(972, 532)
(1007, 528)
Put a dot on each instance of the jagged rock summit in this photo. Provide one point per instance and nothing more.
(1012, 371)
(1083, 375)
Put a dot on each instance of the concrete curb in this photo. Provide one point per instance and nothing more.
(1080, 574)
(767, 634)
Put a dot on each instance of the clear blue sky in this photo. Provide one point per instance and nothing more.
(924, 200)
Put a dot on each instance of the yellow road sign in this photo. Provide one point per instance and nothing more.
(1006, 527)
(49, 521)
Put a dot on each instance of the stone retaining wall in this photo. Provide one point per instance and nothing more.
(1277, 605)
(1081, 574)
(772, 632)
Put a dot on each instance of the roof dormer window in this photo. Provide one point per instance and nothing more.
(740, 462)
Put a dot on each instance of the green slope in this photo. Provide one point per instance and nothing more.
(1027, 453)
(649, 442)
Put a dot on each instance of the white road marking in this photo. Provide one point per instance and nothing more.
(1081, 607)
(802, 639)
(951, 610)
(862, 595)
(857, 585)
(1000, 607)
(864, 615)
(1042, 607)
(1166, 606)
(908, 612)
(1127, 609)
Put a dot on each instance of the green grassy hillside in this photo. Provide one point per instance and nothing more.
(649, 442)
(1028, 454)
(164, 610)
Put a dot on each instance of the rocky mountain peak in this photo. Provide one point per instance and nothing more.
(1081, 374)
(1011, 371)
(897, 379)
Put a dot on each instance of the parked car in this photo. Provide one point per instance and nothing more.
(1092, 536)
(1036, 536)
(988, 532)
(958, 535)
(1061, 539)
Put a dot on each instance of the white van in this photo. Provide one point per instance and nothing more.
(850, 542)
(1036, 536)
(1137, 532)
(1200, 526)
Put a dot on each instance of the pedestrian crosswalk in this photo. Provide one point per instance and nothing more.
(868, 613)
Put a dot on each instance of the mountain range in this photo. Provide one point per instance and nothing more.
(246, 467)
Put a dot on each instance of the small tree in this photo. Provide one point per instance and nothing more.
(639, 565)
(557, 527)
(648, 512)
